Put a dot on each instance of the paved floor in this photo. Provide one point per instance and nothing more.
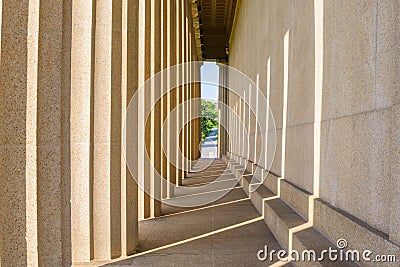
(209, 147)
(227, 232)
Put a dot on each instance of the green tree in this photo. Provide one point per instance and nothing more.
(209, 117)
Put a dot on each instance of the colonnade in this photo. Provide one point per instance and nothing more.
(68, 72)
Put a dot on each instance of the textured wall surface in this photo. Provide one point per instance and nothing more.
(359, 149)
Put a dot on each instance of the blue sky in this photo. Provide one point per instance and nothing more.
(209, 72)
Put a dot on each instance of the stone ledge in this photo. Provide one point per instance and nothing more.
(245, 181)
(359, 235)
(280, 218)
(257, 197)
(295, 197)
(311, 239)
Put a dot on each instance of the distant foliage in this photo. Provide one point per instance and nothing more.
(209, 117)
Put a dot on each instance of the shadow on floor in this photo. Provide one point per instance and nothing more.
(227, 232)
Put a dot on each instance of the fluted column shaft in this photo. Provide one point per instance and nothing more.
(155, 147)
(45, 83)
(80, 116)
(187, 88)
(129, 187)
(144, 63)
(107, 104)
(18, 118)
(165, 54)
(172, 96)
(64, 89)
(179, 60)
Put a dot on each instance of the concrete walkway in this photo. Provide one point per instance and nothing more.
(227, 232)
(209, 147)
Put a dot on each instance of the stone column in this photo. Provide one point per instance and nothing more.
(18, 122)
(144, 62)
(244, 123)
(165, 36)
(129, 189)
(172, 96)
(232, 125)
(198, 113)
(79, 80)
(187, 90)
(226, 112)
(155, 147)
(183, 90)
(221, 134)
(191, 125)
(223, 113)
(232, 129)
(45, 143)
(249, 122)
(229, 130)
(197, 95)
(49, 133)
(239, 130)
(1, 152)
(236, 144)
(116, 128)
(219, 107)
(238, 147)
(107, 104)
(220, 111)
(179, 60)
(224, 118)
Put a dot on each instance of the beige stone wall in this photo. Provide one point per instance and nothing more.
(361, 85)
(359, 149)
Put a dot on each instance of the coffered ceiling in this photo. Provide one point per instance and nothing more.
(216, 19)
